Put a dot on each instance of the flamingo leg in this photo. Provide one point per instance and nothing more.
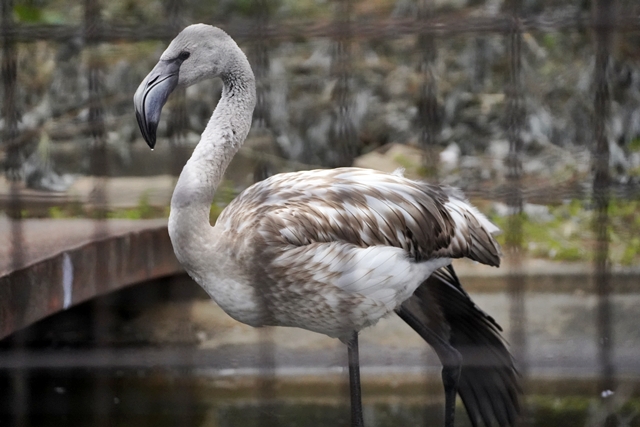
(450, 377)
(449, 357)
(354, 382)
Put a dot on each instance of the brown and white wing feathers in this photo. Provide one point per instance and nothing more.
(346, 246)
(365, 208)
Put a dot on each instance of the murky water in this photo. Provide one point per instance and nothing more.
(141, 357)
(162, 398)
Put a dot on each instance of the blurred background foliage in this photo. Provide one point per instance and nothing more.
(385, 85)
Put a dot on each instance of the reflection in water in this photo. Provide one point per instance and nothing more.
(160, 398)
(182, 382)
(147, 398)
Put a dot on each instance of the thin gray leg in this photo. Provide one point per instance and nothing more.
(354, 382)
(450, 377)
(451, 363)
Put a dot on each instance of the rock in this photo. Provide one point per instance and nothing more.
(384, 85)
(392, 157)
(449, 158)
(536, 213)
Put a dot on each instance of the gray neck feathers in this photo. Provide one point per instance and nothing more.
(220, 141)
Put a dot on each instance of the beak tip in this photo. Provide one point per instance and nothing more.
(151, 96)
(148, 130)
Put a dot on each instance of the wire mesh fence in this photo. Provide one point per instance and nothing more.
(531, 108)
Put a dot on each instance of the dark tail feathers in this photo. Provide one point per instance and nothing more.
(489, 383)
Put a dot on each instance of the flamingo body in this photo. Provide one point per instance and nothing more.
(331, 251)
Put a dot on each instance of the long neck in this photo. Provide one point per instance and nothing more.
(227, 129)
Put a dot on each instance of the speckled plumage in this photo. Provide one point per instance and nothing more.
(331, 251)
(335, 250)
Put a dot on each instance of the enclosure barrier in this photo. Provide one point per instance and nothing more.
(604, 21)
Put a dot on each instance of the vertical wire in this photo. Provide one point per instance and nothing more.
(259, 58)
(10, 111)
(603, 15)
(177, 121)
(342, 135)
(428, 101)
(514, 198)
(260, 64)
(101, 317)
(98, 154)
(266, 382)
(480, 65)
(177, 128)
(429, 124)
(10, 136)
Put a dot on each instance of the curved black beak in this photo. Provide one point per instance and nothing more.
(151, 96)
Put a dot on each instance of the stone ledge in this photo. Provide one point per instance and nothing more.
(64, 262)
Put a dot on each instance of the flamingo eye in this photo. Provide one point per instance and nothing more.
(184, 55)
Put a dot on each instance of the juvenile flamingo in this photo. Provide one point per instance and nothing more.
(330, 251)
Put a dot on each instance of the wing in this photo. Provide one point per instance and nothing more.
(364, 208)
(489, 383)
(346, 246)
